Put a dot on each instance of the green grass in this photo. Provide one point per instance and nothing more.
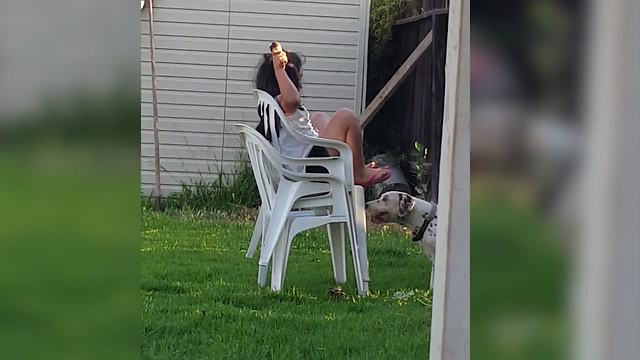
(200, 299)
(69, 274)
(519, 279)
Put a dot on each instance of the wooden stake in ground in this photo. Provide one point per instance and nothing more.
(156, 141)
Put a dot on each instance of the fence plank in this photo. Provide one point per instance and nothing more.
(393, 83)
(422, 16)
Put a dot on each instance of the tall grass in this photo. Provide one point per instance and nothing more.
(229, 192)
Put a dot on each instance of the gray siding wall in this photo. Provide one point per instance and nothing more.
(206, 57)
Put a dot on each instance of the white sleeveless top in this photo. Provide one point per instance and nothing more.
(289, 145)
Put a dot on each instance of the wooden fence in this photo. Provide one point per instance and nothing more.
(414, 112)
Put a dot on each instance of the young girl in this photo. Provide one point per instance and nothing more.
(280, 75)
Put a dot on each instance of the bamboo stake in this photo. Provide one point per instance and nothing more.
(156, 141)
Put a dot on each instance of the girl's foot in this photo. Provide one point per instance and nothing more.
(373, 176)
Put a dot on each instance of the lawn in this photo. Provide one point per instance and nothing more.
(519, 271)
(200, 299)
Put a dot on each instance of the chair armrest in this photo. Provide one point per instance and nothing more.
(296, 176)
(336, 166)
(313, 161)
(342, 148)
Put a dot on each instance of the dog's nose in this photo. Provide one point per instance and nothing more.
(366, 206)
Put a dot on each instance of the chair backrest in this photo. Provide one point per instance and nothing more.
(268, 109)
(265, 163)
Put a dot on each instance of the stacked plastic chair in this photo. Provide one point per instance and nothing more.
(294, 201)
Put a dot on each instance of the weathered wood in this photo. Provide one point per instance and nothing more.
(156, 126)
(393, 83)
(606, 293)
(450, 315)
(423, 16)
(434, 130)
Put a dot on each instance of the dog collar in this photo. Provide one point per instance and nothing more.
(428, 217)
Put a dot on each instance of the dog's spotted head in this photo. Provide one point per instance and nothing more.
(391, 207)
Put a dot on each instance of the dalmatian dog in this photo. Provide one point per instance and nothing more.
(401, 208)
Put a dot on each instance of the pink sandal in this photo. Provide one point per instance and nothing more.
(376, 177)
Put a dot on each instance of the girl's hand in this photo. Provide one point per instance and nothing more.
(279, 57)
(279, 60)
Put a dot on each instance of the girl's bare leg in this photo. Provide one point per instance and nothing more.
(320, 120)
(344, 126)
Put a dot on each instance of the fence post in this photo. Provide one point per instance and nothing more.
(450, 313)
(605, 286)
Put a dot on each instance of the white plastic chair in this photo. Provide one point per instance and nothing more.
(339, 167)
(293, 202)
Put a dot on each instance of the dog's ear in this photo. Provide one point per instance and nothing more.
(406, 203)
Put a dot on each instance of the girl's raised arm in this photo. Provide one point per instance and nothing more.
(289, 96)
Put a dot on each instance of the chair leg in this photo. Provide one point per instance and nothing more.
(357, 236)
(278, 264)
(263, 270)
(336, 232)
(257, 235)
(262, 274)
(360, 218)
(356, 258)
(287, 249)
(284, 200)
